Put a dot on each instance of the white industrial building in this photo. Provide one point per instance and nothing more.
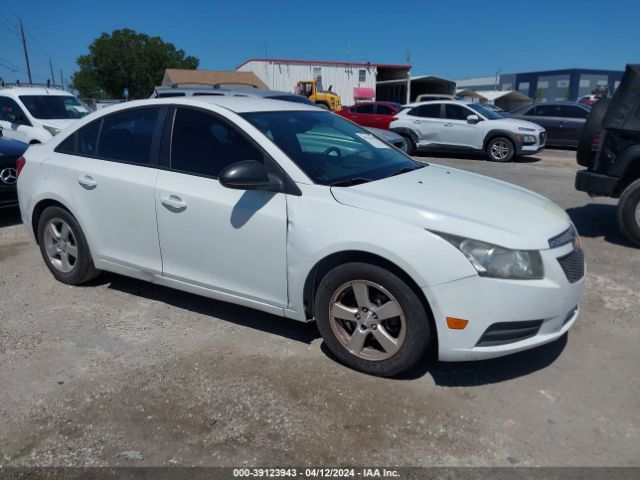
(343, 77)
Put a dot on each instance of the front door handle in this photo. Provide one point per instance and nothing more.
(448, 124)
(173, 202)
(87, 181)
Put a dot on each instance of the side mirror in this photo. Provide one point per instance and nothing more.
(473, 119)
(244, 175)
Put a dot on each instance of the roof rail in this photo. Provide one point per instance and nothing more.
(212, 85)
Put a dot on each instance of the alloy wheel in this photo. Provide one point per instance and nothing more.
(367, 320)
(60, 245)
(500, 150)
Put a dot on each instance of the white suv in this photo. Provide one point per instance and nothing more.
(456, 126)
(299, 212)
(34, 114)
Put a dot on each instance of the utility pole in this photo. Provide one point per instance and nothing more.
(53, 77)
(61, 79)
(26, 54)
(408, 58)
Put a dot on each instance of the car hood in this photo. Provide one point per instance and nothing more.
(453, 201)
(510, 122)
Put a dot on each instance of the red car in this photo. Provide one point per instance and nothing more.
(372, 114)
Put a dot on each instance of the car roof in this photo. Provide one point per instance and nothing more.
(232, 103)
(225, 90)
(453, 102)
(34, 91)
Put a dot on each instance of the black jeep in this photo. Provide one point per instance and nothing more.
(610, 149)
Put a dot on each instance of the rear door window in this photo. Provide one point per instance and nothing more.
(431, 110)
(126, 136)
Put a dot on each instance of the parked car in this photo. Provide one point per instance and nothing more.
(10, 151)
(610, 149)
(372, 114)
(227, 90)
(298, 212)
(563, 121)
(35, 115)
(457, 126)
(589, 99)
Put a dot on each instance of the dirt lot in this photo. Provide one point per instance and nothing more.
(126, 373)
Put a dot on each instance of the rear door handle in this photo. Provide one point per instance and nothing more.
(173, 202)
(87, 181)
(417, 122)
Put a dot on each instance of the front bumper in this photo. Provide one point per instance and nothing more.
(531, 148)
(553, 302)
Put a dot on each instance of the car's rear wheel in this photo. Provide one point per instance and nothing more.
(411, 145)
(628, 213)
(371, 320)
(64, 247)
(500, 149)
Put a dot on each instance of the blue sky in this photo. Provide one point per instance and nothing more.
(452, 39)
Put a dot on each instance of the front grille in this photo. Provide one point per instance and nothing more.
(508, 332)
(573, 265)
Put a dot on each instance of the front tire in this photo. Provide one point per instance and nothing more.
(64, 247)
(628, 213)
(500, 149)
(371, 320)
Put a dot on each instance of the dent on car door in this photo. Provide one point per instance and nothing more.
(230, 241)
(112, 161)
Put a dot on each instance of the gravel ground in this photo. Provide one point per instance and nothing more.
(122, 372)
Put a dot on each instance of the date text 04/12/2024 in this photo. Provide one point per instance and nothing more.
(315, 473)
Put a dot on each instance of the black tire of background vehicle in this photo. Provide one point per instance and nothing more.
(594, 122)
(418, 339)
(626, 213)
(324, 106)
(411, 146)
(83, 270)
(510, 155)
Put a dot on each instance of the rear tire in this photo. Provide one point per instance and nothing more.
(628, 213)
(64, 247)
(411, 145)
(371, 320)
(500, 149)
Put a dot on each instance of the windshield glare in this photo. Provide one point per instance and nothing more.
(49, 107)
(330, 149)
(488, 114)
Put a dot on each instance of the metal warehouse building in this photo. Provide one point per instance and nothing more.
(550, 85)
(343, 77)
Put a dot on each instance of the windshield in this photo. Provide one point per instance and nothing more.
(488, 114)
(49, 107)
(330, 149)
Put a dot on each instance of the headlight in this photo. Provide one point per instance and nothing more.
(52, 130)
(498, 262)
(529, 139)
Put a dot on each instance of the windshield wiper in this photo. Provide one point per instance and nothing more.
(405, 170)
(349, 181)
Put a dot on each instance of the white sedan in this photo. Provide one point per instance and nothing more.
(300, 213)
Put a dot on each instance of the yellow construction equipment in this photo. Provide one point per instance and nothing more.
(324, 99)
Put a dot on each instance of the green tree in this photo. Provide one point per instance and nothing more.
(127, 59)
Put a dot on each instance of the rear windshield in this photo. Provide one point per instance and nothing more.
(49, 107)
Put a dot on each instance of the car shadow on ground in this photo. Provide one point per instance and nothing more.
(246, 317)
(425, 156)
(597, 220)
(449, 374)
(483, 372)
(9, 217)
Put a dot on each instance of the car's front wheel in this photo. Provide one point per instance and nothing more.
(64, 247)
(500, 149)
(629, 213)
(371, 320)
